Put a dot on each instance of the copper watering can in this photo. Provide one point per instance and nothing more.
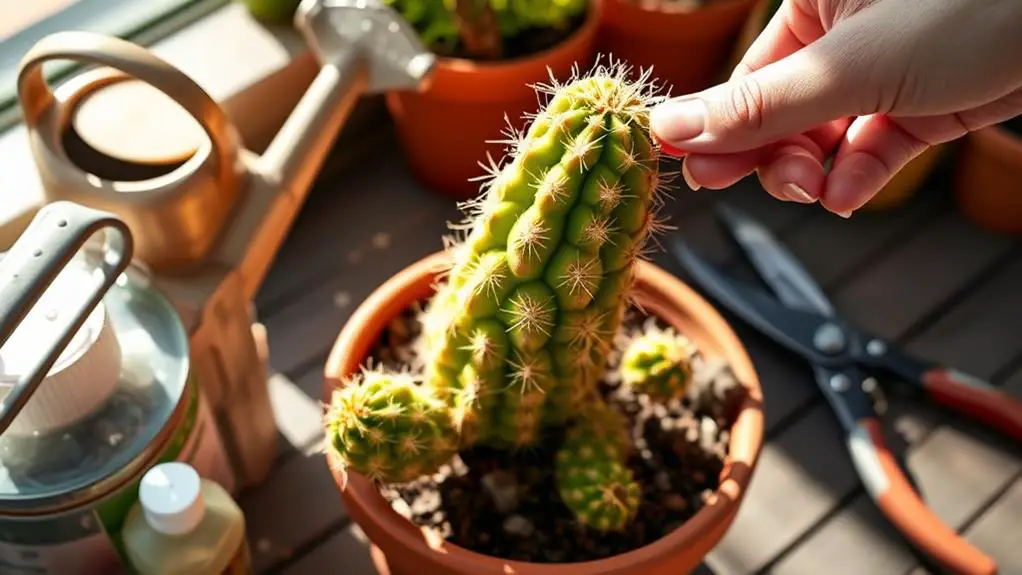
(208, 221)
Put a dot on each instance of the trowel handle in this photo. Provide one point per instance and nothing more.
(131, 59)
(51, 240)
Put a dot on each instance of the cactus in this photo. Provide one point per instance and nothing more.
(659, 364)
(516, 335)
(592, 479)
(389, 428)
(539, 286)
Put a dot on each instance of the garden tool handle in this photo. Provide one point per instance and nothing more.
(893, 494)
(976, 398)
(49, 242)
(135, 61)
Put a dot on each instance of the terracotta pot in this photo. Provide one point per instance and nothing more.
(687, 50)
(906, 182)
(988, 179)
(409, 551)
(446, 130)
(751, 28)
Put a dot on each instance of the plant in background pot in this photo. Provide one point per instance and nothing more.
(489, 54)
(988, 177)
(275, 11)
(686, 42)
(537, 398)
(907, 181)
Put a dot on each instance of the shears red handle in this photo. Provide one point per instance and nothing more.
(975, 398)
(897, 500)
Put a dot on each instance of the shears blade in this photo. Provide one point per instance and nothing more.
(793, 328)
(778, 267)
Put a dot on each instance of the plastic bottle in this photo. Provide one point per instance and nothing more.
(184, 524)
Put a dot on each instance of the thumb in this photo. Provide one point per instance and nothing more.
(821, 82)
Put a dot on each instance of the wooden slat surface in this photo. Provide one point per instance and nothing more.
(919, 275)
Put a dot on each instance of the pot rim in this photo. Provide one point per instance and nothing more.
(668, 29)
(624, 10)
(365, 501)
(707, 9)
(460, 65)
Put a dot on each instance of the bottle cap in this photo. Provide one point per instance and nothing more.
(171, 498)
(85, 374)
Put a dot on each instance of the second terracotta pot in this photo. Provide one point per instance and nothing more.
(446, 131)
(402, 549)
(988, 179)
(687, 50)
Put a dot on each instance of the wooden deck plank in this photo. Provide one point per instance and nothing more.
(905, 285)
(861, 532)
(830, 247)
(997, 531)
(346, 551)
(981, 333)
(959, 466)
(307, 326)
(298, 503)
(297, 409)
(341, 221)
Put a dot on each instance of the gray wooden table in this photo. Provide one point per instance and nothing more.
(919, 275)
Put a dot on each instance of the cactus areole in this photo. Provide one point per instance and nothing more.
(516, 335)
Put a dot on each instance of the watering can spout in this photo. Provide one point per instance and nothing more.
(363, 47)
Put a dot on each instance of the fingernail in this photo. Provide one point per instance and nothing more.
(796, 193)
(678, 120)
(669, 149)
(845, 214)
(687, 176)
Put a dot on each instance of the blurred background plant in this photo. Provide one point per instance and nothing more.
(491, 29)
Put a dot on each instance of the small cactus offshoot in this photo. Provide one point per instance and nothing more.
(592, 478)
(389, 428)
(516, 336)
(658, 363)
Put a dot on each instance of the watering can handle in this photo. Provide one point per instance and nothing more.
(131, 59)
(51, 240)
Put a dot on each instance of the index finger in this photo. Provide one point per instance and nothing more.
(778, 38)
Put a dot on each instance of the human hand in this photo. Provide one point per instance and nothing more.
(872, 83)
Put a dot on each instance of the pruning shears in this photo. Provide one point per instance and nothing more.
(799, 317)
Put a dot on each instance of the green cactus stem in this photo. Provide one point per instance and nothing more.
(540, 284)
(516, 335)
(659, 364)
(592, 479)
(388, 428)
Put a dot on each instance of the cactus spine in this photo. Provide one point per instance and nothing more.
(515, 337)
(659, 364)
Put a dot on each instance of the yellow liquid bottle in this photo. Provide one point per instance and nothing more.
(184, 524)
